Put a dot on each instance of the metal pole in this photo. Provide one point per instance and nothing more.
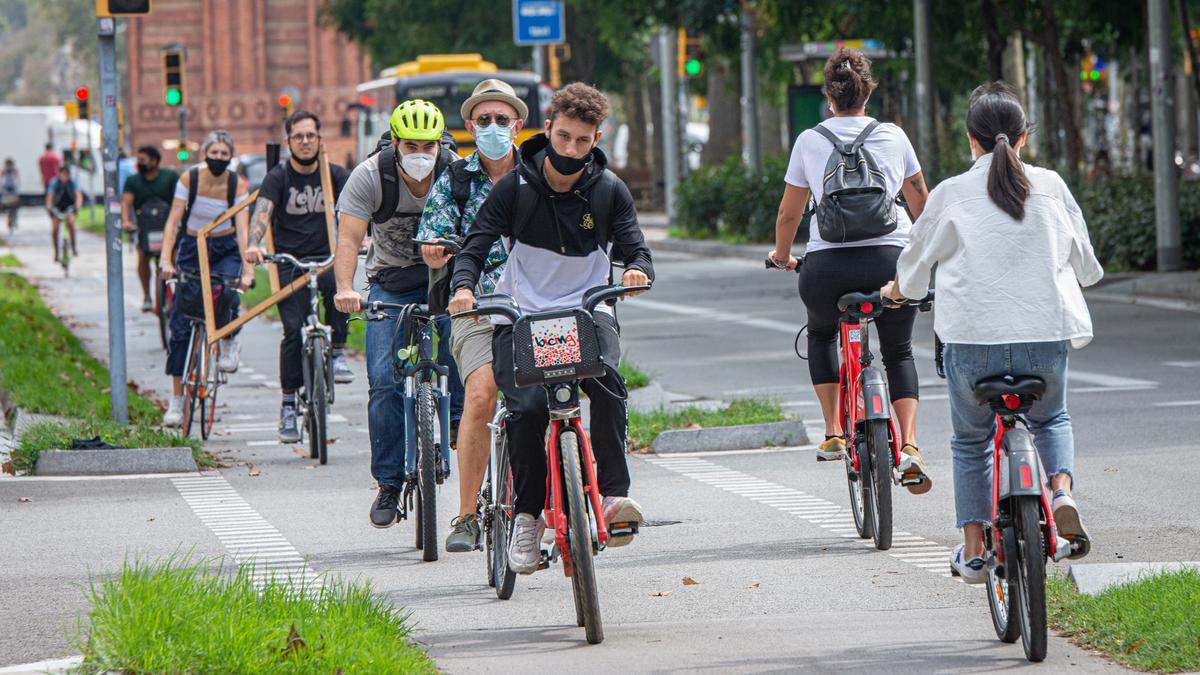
(670, 118)
(751, 151)
(926, 145)
(539, 62)
(106, 27)
(1162, 105)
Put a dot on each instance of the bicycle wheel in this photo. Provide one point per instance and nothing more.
(1002, 593)
(880, 450)
(212, 381)
(860, 488)
(318, 406)
(579, 534)
(64, 255)
(503, 578)
(427, 470)
(1032, 578)
(162, 310)
(191, 379)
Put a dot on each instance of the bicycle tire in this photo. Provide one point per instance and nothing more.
(427, 470)
(193, 364)
(318, 409)
(208, 407)
(860, 490)
(502, 523)
(880, 451)
(1002, 596)
(579, 535)
(161, 310)
(1032, 557)
(420, 543)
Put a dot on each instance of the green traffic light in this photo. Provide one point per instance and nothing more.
(173, 97)
(693, 67)
(182, 155)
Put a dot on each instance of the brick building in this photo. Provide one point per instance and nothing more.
(240, 55)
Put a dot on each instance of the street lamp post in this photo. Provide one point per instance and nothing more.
(1162, 106)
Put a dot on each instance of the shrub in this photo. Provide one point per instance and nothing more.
(1120, 217)
(725, 201)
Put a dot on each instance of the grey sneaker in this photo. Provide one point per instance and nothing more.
(525, 551)
(230, 351)
(341, 372)
(973, 571)
(465, 536)
(289, 429)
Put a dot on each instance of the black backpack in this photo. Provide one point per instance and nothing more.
(389, 172)
(855, 204)
(601, 201)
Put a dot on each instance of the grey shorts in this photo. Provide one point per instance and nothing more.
(470, 345)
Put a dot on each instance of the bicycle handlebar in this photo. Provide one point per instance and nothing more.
(454, 246)
(374, 310)
(770, 264)
(852, 299)
(504, 305)
(307, 265)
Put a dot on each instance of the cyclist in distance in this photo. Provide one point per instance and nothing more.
(292, 203)
(388, 191)
(833, 267)
(202, 194)
(563, 248)
(1012, 250)
(146, 195)
(63, 201)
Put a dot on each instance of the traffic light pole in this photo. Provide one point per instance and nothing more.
(1162, 106)
(106, 28)
(670, 119)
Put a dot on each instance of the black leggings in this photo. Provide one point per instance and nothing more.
(831, 273)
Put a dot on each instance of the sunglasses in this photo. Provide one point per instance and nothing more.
(486, 120)
(304, 138)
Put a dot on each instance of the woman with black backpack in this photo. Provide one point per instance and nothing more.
(853, 167)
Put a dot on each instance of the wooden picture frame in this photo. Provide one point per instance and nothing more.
(278, 294)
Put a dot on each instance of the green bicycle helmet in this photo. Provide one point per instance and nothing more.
(417, 120)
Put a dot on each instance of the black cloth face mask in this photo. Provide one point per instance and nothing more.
(566, 165)
(306, 162)
(216, 166)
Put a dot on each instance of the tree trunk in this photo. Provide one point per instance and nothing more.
(771, 124)
(635, 117)
(658, 181)
(1064, 85)
(1135, 108)
(995, 40)
(581, 37)
(724, 115)
(1014, 64)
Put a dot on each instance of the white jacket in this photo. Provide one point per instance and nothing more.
(1001, 280)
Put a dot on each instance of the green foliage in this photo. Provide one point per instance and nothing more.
(91, 219)
(181, 617)
(9, 260)
(645, 427)
(44, 367)
(1151, 624)
(58, 436)
(635, 377)
(1120, 218)
(728, 202)
(355, 341)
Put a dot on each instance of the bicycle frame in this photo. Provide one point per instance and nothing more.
(857, 366)
(565, 415)
(1026, 482)
(420, 365)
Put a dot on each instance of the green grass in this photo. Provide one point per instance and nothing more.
(635, 378)
(179, 617)
(645, 427)
(356, 341)
(9, 260)
(58, 436)
(1151, 624)
(44, 367)
(91, 219)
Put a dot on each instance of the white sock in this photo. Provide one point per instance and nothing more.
(177, 401)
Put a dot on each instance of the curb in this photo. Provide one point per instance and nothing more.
(756, 252)
(115, 461)
(1095, 578)
(743, 437)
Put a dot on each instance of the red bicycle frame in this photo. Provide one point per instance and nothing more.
(1027, 478)
(556, 515)
(848, 390)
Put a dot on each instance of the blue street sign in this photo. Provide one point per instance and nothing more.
(538, 22)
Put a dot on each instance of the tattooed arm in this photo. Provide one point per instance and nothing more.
(915, 193)
(258, 229)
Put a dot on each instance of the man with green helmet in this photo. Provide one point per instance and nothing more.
(388, 191)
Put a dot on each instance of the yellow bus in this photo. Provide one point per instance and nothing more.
(446, 80)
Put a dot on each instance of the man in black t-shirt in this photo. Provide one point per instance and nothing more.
(290, 201)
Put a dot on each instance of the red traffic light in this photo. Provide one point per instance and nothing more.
(367, 100)
(284, 100)
(81, 94)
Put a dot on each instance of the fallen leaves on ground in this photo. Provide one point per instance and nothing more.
(300, 452)
(1134, 646)
(753, 586)
(1111, 469)
(251, 471)
(24, 499)
(8, 468)
(295, 643)
(688, 581)
(660, 594)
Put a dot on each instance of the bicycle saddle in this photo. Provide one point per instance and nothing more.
(1024, 386)
(856, 299)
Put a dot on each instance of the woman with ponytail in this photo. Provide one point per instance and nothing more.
(1012, 251)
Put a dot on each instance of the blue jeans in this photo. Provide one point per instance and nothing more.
(225, 261)
(385, 398)
(975, 424)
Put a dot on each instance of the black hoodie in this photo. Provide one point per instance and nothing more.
(557, 256)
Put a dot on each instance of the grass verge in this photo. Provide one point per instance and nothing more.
(635, 378)
(356, 341)
(91, 219)
(179, 617)
(645, 427)
(9, 260)
(1151, 624)
(58, 435)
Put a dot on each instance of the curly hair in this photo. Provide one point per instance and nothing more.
(848, 81)
(579, 101)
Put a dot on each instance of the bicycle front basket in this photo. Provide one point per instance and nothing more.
(554, 347)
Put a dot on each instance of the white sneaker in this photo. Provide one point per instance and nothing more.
(174, 415)
(973, 571)
(622, 516)
(1070, 524)
(230, 351)
(525, 550)
(341, 371)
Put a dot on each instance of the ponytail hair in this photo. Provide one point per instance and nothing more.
(997, 122)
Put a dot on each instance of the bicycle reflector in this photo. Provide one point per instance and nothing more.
(1012, 401)
(867, 308)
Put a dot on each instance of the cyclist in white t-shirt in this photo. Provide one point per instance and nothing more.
(831, 269)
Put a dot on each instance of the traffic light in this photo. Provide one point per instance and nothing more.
(287, 100)
(122, 7)
(182, 154)
(81, 101)
(173, 58)
(689, 58)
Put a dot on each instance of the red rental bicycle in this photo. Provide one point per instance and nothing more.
(555, 350)
(872, 437)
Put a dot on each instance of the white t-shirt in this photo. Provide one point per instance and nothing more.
(891, 150)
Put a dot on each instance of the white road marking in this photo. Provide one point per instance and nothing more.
(270, 442)
(1176, 404)
(1182, 364)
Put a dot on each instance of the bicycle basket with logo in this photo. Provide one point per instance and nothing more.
(559, 346)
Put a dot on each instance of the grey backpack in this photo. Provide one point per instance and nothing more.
(855, 204)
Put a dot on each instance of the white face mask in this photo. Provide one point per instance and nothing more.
(418, 165)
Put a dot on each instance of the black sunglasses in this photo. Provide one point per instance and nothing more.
(486, 120)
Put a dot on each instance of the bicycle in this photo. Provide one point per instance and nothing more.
(164, 293)
(317, 396)
(555, 350)
(868, 420)
(1022, 534)
(426, 396)
(495, 503)
(63, 249)
(201, 376)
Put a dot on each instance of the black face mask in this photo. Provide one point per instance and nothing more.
(143, 169)
(566, 165)
(306, 162)
(216, 166)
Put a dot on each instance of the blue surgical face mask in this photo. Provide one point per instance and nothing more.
(494, 141)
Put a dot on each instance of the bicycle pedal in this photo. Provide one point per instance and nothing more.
(1063, 549)
(622, 529)
(544, 563)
